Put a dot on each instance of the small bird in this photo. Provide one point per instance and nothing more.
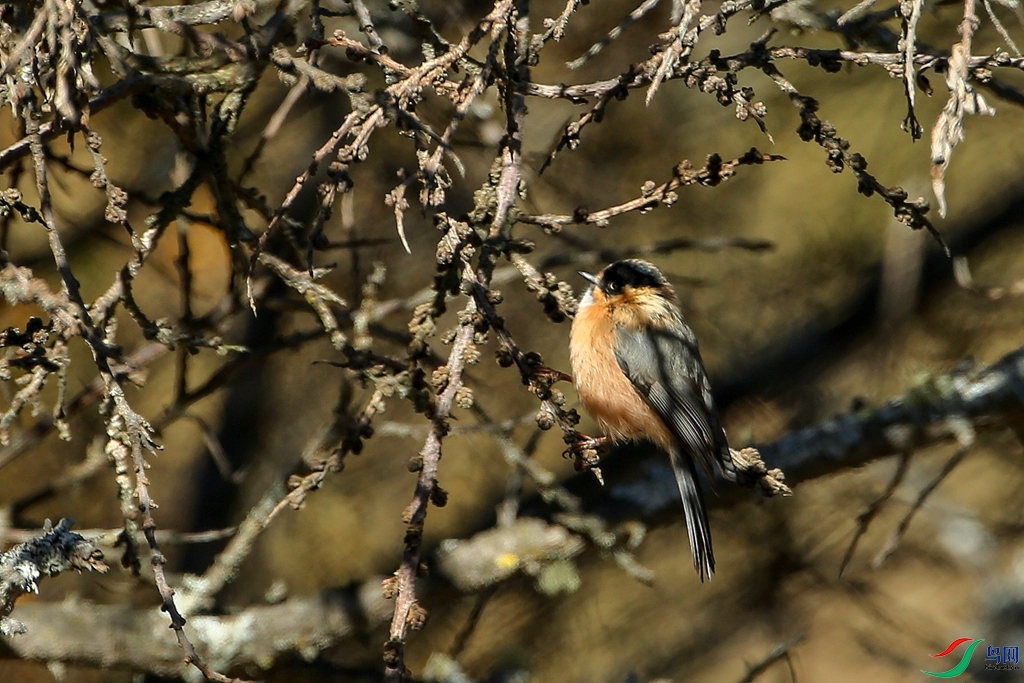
(639, 374)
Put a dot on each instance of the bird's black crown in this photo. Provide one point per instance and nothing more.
(634, 273)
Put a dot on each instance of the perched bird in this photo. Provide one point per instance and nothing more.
(638, 371)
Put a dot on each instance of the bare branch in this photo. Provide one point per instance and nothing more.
(963, 100)
(715, 172)
(22, 567)
(636, 15)
(910, 12)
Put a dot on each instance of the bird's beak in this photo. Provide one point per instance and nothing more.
(590, 277)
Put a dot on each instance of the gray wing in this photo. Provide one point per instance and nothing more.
(665, 367)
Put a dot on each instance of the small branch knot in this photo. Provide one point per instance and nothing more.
(751, 471)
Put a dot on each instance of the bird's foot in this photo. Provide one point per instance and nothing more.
(550, 375)
(585, 451)
(591, 443)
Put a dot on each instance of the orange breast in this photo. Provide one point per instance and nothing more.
(606, 392)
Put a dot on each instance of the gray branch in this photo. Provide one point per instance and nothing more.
(95, 635)
(22, 567)
(931, 413)
(925, 415)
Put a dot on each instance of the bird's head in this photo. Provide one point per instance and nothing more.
(631, 281)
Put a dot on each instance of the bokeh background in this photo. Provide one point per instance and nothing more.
(848, 307)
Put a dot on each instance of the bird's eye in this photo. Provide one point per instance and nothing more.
(613, 287)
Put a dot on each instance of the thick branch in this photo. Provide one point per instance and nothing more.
(924, 416)
(90, 634)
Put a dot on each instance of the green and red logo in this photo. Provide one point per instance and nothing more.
(1006, 658)
(964, 660)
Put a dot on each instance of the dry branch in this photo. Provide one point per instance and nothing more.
(93, 635)
(963, 99)
(22, 567)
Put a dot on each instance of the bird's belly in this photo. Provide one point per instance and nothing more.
(607, 393)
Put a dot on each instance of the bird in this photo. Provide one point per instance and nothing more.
(638, 372)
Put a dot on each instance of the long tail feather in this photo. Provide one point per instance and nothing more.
(697, 525)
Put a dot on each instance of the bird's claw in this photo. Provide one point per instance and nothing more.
(550, 375)
(590, 443)
(585, 453)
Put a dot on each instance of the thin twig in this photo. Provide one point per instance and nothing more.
(865, 518)
(715, 172)
(636, 15)
(922, 496)
(780, 652)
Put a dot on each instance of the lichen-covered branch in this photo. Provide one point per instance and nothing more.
(22, 567)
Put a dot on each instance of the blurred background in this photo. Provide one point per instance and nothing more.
(840, 307)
